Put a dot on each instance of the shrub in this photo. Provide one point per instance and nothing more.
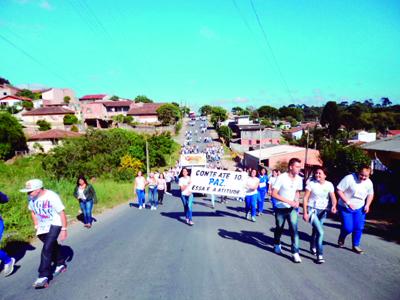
(70, 120)
(43, 125)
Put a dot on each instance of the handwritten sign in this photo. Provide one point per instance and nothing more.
(187, 160)
(218, 182)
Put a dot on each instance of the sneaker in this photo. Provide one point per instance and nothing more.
(313, 250)
(296, 258)
(277, 249)
(320, 259)
(253, 219)
(340, 244)
(155, 208)
(187, 221)
(41, 282)
(258, 214)
(140, 207)
(358, 250)
(191, 223)
(248, 216)
(59, 269)
(9, 268)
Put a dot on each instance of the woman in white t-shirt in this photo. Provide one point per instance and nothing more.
(140, 185)
(315, 208)
(161, 188)
(251, 195)
(186, 195)
(356, 193)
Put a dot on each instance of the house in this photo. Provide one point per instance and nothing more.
(9, 101)
(271, 156)
(253, 134)
(52, 114)
(47, 140)
(93, 98)
(55, 96)
(99, 114)
(144, 112)
(294, 133)
(8, 90)
(363, 137)
(387, 150)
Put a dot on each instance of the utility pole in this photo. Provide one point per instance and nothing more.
(259, 154)
(306, 155)
(147, 158)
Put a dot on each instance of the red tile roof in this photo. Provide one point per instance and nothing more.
(93, 97)
(116, 103)
(16, 98)
(54, 134)
(394, 132)
(50, 110)
(144, 109)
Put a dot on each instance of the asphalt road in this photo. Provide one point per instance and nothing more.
(143, 254)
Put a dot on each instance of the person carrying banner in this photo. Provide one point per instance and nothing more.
(286, 191)
(251, 195)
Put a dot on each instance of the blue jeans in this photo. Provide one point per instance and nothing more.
(187, 202)
(317, 236)
(87, 207)
(261, 198)
(273, 202)
(50, 251)
(153, 196)
(289, 214)
(352, 222)
(141, 197)
(3, 255)
(250, 204)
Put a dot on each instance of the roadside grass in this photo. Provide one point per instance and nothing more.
(16, 216)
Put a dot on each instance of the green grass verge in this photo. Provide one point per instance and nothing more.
(16, 215)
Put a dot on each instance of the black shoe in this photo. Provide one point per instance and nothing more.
(358, 250)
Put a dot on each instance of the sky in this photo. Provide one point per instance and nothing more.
(216, 52)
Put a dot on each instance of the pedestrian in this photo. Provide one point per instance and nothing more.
(356, 193)
(86, 196)
(152, 192)
(251, 195)
(271, 182)
(50, 221)
(161, 188)
(262, 191)
(7, 260)
(168, 179)
(186, 195)
(286, 191)
(139, 187)
(315, 208)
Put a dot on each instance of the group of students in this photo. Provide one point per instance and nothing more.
(355, 192)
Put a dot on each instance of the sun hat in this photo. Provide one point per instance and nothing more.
(32, 185)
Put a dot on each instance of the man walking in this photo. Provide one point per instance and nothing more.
(8, 261)
(50, 222)
(286, 191)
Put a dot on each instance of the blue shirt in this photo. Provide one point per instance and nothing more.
(263, 182)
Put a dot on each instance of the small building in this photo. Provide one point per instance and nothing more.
(144, 112)
(8, 90)
(254, 134)
(100, 113)
(387, 150)
(363, 137)
(9, 101)
(55, 96)
(295, 133)
(93, 98)
(270, 157)
(46, 140)
(52, 114)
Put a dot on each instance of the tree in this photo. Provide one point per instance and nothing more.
(74, 128)
(168, 114)
(67, 99)
(267, 122)
(28, 94)
(4, 81)
(295, 112)
(225, 134)
(119, 118)
(70, 119)
(386, 102)
(269, 112)
(330, 117)
(12, 137)
(185, 110)
(114, 98)
(218, 114)
(143, 99)
(43, 125)
(205, 110)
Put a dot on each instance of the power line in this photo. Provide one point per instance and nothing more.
(96, 19)
(272, 51)
(32, 58)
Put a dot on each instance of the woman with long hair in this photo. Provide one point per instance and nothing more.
(186, 195)
(86, 196)
(161, 188)
(139, 187)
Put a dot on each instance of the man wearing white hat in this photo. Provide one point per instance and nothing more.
(50, 221)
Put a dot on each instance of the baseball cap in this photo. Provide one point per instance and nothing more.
(32, 185)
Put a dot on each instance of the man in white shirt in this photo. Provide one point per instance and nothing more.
(286, 191)
(47, 212)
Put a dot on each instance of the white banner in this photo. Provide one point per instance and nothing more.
(218, 182)
(188, 160)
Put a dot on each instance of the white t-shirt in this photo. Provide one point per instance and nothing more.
(81, 194)
(185, 181)
(287, 188)
(152, 182)
(319, 196)
(355, 190)
(140, 183)
(161, 183)
(252, 181)
(47, 209)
